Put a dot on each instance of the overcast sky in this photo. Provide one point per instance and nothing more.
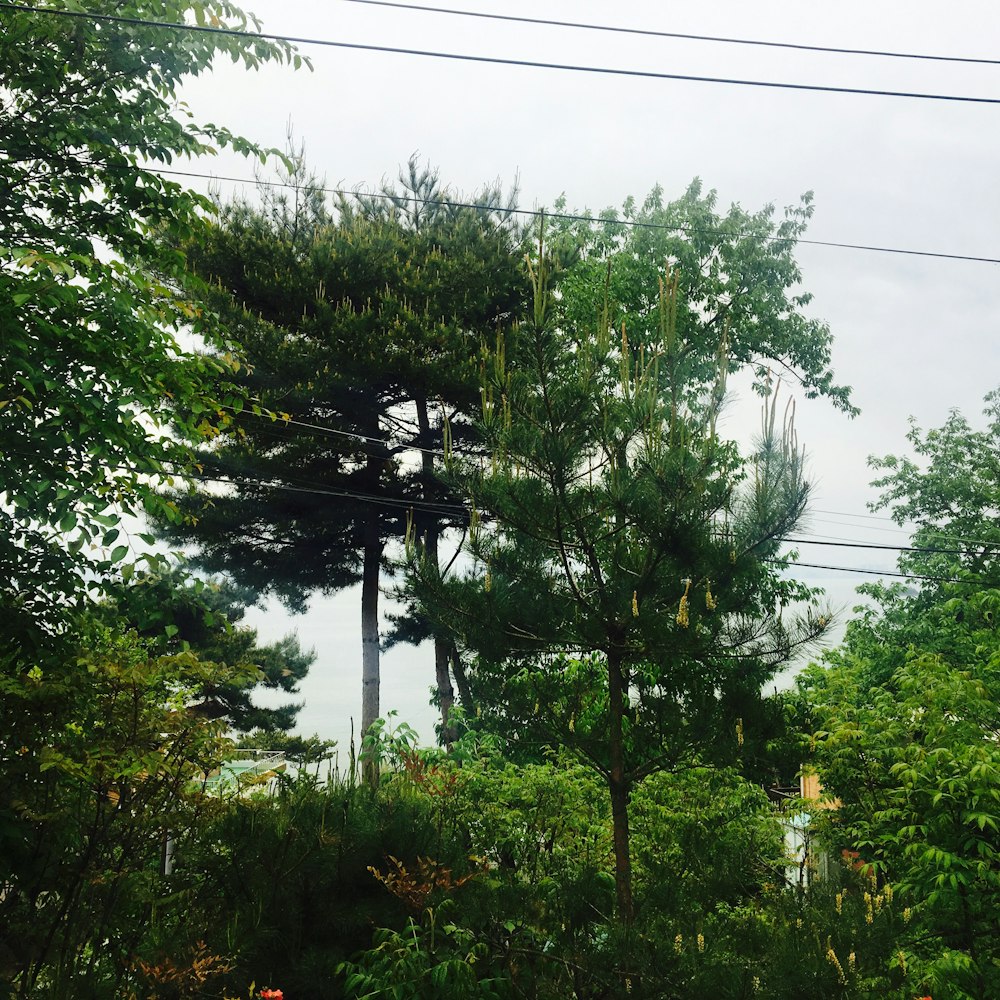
(913, 336)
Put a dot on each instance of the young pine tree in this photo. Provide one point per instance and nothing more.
(623, 596)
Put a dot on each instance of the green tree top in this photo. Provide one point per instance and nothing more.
(950, 489)
(740, 277)
(174, 612)
(361, 323)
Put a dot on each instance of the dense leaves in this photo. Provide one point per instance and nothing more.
(176, 612)
(91, 367)
(950, 489)
(101, 763)
(907, 713)
(621, 608)
(739, 276)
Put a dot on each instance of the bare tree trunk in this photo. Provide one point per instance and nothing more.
(369, 636)
(619, 789)
(442, 675)
(465, 695)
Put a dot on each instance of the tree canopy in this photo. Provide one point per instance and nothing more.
(740, 278)
(92, 369)
(906, 711)
(175, 612)
(950, 489)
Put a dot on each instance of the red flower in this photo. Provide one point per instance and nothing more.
(271, 995)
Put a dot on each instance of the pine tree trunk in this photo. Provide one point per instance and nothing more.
(446, 693)
(442, 675)
(619, 788)
(369, 636)
(442, 647)
(461, 680)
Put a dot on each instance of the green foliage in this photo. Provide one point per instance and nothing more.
(838, 939)
(90, 312)
(362, 326)
(906, 710)
(283, 881)
(739, 276)
(345, 318)
(624, 597)
(301, 750)
(100, 758)
(432, 959)
(672, 816)
(916, 768)
(951, 490)
(532, 916)
(174, 611)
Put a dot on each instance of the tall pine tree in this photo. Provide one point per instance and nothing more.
(360, 327)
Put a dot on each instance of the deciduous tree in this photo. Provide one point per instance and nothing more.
(91, 367)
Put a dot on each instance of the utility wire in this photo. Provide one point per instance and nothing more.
(877, 572)
(428, 507)
(336, 432)
(891, 548)
(948, 536)
(418, 506)
(867, 517)
(538, 213)
(497, 61)
(240, 479)
(647, 32)
(543, 213)
(458, 510)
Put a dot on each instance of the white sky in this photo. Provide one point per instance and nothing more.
(913, 335)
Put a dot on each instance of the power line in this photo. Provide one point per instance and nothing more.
(948, 536)
(239, 479)
(875, 572)
(498, 61)
(536, 213)
(424, 506)
(336, 432)
(835, 542)
(543, 213)
(454, 510)
(867, 517)
(415, 506)
(893, 548)
(459, 510)
(647, 32)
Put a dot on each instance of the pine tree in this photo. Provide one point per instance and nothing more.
(175, 613)
(359, 329)
(624, 597)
